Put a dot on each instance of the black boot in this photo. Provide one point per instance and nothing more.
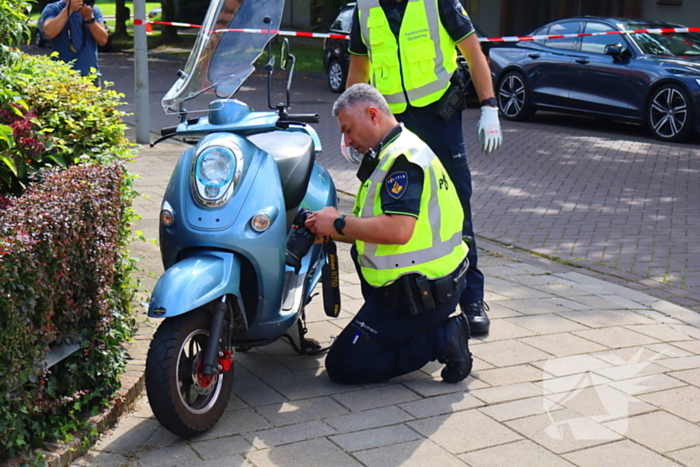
(457, 358)
(475, 312)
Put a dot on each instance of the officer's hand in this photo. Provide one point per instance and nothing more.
(488, 131)
(86, 11)
(321, 222)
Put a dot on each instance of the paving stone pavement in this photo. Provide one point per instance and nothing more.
(577, 371)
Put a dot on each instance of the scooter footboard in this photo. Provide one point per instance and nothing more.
(194, 282)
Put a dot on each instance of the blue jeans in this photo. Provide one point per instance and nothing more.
(447, 142)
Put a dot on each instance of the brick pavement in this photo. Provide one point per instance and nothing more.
(576, 371)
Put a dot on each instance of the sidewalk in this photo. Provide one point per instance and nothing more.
(576, 371)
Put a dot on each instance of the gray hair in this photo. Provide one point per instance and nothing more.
(361, 94)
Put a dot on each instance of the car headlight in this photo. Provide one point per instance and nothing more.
(217, 169)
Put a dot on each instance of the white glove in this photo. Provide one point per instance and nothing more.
(488, 131)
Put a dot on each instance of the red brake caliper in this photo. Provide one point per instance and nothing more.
(225, 362)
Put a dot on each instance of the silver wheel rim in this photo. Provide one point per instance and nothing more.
(668, 112)
(195, 397)
(335, 75)
(511, 96)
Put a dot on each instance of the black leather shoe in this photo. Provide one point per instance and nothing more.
(457, 357)
(475, 312)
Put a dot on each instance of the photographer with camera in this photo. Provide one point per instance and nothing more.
(76, 28)
(406, 231)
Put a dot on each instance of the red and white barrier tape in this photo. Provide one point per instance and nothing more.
(138, 22)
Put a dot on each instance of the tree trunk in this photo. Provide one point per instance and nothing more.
(122, 16)
(169, 34)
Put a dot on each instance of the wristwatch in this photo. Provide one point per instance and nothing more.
(90, 21)
(491, 102)
(339, 224)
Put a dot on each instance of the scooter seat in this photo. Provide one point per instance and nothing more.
(294, 154)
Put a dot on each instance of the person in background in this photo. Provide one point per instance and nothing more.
(406, 49)
(406, 231)
(75, 28)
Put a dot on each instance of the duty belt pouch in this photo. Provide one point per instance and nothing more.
(444, 289)
(330, 278)
(450, 102)
(424, 293)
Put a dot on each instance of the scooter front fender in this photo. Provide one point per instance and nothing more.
(195, 281)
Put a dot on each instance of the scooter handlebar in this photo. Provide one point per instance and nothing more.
(304, 118)
(168, 130)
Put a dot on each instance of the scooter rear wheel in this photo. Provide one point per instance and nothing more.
(185, 401)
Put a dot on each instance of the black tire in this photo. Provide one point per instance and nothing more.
(175, 352)
(670, 113)
(337, 76)
(514, 97)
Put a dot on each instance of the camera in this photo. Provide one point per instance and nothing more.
(300, 240)
(89, 2)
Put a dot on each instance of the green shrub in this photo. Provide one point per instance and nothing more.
(64, 277)
(70, 119)
(14, 31)
(64, 263)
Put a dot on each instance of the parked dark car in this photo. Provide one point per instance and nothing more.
(336, 58)
(40, 40)
(651, 79)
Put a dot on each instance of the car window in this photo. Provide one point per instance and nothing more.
(541, 32)
(344, 21)
(570, 27)
(673, 43)
(596, 44)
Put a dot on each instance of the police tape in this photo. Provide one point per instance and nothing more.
(542, 37)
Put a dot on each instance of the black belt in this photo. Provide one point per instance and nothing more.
(415, 293)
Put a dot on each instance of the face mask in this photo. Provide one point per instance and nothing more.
(348, 152)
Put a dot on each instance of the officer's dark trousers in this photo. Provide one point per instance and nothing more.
(382, 343)
(447, 142)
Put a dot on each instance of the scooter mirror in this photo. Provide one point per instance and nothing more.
(284, 54)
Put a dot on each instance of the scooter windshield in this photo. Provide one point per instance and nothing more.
(233, 36)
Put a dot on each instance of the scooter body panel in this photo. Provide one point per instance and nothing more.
(194, 282)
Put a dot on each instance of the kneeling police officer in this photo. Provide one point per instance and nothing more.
(408, 250)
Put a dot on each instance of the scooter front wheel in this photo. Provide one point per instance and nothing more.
(184, 400)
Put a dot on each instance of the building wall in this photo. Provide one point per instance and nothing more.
(486, 14)
(687, 14)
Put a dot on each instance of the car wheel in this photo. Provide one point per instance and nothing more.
(336, 76)
(670, 113)
(38, 40)
(514, 97)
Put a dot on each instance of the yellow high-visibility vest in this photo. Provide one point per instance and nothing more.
(436, 247)
(417, 67)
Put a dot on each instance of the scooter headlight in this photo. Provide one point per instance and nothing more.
(217, 169)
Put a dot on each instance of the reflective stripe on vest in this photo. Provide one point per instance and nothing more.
(418, 65)
(436, 247)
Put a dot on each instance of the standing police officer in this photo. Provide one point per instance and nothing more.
(408, 249)
(406, 49)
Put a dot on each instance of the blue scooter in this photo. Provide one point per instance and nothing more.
(240, 265)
